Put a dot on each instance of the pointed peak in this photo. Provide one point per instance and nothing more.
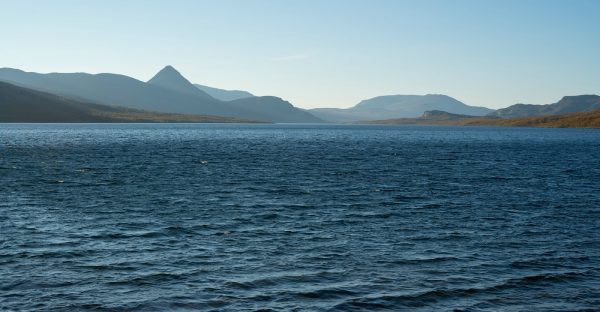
(169, 68)
(170, 78)
(168, 72)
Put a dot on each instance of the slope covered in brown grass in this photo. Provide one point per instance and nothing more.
(575, 120)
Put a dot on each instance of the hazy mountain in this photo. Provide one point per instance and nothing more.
(18, 104)
(272, 108)
(168, 92)
(398, 106)
(268, 108)
(170, 78)
(589, 119)
(568, 104)
(434, 117)
(224, 95)
(115, 90)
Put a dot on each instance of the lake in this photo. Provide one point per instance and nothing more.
(215, 217)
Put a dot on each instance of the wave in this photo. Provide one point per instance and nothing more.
(284, 278)
(422, 299)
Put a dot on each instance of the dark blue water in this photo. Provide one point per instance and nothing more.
(298, 218)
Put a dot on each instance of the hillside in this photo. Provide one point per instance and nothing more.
(572, 120)
(169, 78)
(167, 92)
(273, 108)
(224, 95)
(568, 104)
(434, 117)
(398, 106)
(18, 104)
(113, 89)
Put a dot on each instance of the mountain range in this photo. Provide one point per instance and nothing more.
(398, 106)
(587, 119)
(568, 104)
(18, 104)
(167, 92)
(169, 95)
(224, 95)
(434, 117)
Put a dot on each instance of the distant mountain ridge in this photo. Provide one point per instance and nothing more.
(18, 104)
(398, 106)
(113, 90)
(168, 92)
(224, 95)
(589, 119)
(434, 117)
(568, 104)
(170, 78)
(586, 119)
(270, 107)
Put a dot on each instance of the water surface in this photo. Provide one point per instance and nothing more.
(163, 217)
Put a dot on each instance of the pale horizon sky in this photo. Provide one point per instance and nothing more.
(321, 53)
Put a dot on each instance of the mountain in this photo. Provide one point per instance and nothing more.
(169, 78)
(114, 90)
(168, 92)
(18, 104)
(273, 108)
(398, 106)
(589, 119)
(568, 104)
(268, 108)
(573, 120)
(224, 95)
(434, 117)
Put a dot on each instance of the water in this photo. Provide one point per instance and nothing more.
(298, 218)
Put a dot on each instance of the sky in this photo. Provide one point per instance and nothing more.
(321, 53)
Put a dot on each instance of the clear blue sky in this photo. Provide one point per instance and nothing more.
(321, 53)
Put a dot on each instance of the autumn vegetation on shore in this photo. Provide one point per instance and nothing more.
(574, 120)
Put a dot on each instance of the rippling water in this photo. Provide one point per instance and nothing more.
(298, 218)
